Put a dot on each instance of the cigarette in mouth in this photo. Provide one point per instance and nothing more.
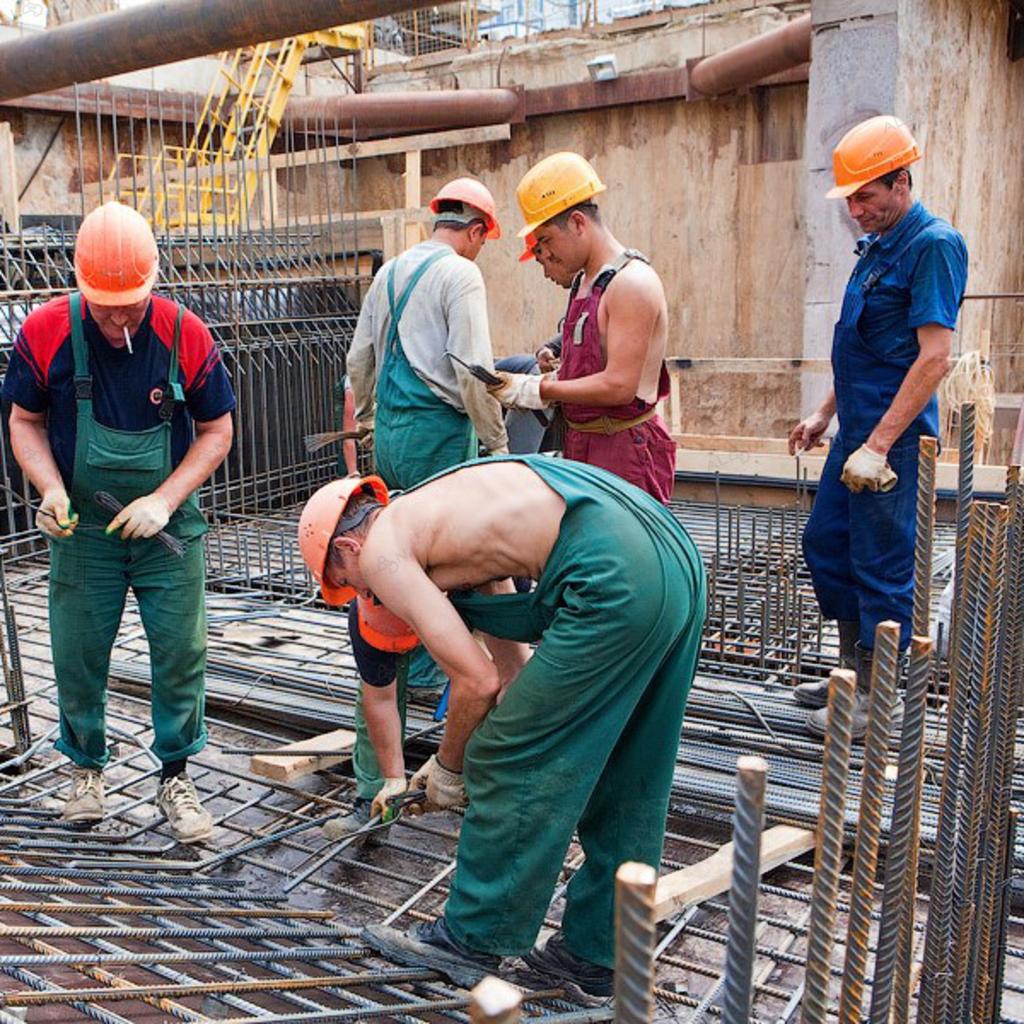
(128, 340)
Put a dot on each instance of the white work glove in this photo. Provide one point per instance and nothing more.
(54, 517)
(445, 789)
(391, 787)
(144, 517)
(366, 441)
(868, 469)
(547, 360)
(519, 390)
(501, 449)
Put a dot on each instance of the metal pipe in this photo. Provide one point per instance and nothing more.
(751, 776)
(885, 670)
(634, 942)
(155, 34)
(409, 109)
(750, 61)
(831, 822)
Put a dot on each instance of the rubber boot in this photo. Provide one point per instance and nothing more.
(815, 695)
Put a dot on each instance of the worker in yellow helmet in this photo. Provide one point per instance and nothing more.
(612, 372)
(890, 350)
(107, 386)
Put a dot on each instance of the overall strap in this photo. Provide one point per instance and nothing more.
(883, 268)
(604, 278)
(398, 308)
(83, 380)
(174, 393)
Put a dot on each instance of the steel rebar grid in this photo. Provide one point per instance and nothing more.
(751, 773)
(828, 855)
(924, 538)
(882, 698)
(634, 942)
(896, 927)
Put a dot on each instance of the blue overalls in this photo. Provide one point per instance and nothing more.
(859, 548)
(416, 435)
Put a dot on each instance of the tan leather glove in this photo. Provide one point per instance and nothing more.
(391, 787)
(519, 390)
(144, 517)
(869, 470)
(55, 517)
(445, 788)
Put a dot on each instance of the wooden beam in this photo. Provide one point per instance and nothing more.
(753, 364)
(301, 762)
(8, 179)
(412, 231)
(729, 443)
(711, 877)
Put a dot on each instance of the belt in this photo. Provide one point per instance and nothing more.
(609, 424)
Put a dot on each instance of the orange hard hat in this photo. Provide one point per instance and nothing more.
(527, 254)
(553, 185)
(868, 150)
(474, 193)
(115, 256)
(383, 629)
(319, 520)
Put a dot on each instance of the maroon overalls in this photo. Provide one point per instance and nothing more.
(643, 453)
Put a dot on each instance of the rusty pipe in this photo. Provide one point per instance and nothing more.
(153, 34)
(417, 109)
(750, 61)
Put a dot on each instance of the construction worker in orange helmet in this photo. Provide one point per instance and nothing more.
(107, 385)
(612, 372)
(890, 350)
(426, 411)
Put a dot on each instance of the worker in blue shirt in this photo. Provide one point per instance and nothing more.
(890, 350)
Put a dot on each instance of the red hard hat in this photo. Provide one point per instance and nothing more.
(319, 520)
(383, 629)
(115, 256)
(475, 193)
(530, 243)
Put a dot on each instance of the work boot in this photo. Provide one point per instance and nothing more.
(815, 695)
(178, 800)
(817, 721)
(85, 801)
(431, 944)
(557, 961)
(345, 825)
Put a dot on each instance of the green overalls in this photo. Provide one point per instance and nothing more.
(585, 738)
(90, 574)
(416, 435)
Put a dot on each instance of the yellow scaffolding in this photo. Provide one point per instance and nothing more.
(212, 180)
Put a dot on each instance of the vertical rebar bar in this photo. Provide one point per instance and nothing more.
(884, 673)
(748, 824)
(635, 884)
(831, 823)
(924, 535)
(494, 1001)
(896, 928)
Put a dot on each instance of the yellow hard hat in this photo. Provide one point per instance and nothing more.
(868, 150)
(553, 185)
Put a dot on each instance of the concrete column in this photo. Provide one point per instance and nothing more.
(854, 74)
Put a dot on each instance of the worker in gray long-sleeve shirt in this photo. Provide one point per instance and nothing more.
(425, 409)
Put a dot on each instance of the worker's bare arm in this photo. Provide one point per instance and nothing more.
(633, 304)
(31, 448)
(205, 454)
(400, 583)
(918, 386)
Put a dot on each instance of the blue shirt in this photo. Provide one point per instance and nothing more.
(127, 388)
(925, 284)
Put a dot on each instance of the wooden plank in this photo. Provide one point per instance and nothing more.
(711, 877)
(752, 364)
(8, 179)
(285, 769)
(412, 230)
(728, 443)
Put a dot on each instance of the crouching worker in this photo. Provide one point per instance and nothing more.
(585, 737)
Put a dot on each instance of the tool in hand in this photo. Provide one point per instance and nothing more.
(397, 804)
(109, 503)
(492, 380)
(314, 442)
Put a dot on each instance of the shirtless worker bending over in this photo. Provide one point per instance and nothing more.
(585, 736)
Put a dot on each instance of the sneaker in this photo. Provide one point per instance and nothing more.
(85, 802)
(345, 825)
(431, 944)
(178, 800)
(557, 961)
